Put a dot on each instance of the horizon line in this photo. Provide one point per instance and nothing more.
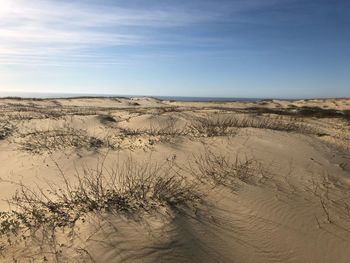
(109, 95)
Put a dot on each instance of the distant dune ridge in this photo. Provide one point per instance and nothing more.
(149, 180)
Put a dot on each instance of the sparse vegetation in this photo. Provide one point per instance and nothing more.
(6, 129)
(130, 189)
(219, 126)
(163, 110)
(169, 129)
(218, 169)
(134, 104)
(226, 125)
(49, 141)
(106, 118)
(239, 185)
(48, 219)
(303, 112)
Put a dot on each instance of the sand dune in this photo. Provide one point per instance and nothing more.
(144, 180)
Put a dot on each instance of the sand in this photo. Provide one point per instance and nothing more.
(289, 203)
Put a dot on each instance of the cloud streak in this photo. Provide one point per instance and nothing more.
(47, 29)
(73, 31)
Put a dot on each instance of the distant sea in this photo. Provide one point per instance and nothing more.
(72, 95)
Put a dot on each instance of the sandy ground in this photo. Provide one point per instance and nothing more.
(273, 179)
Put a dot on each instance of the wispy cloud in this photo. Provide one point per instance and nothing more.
(38, 31)
(44, 29)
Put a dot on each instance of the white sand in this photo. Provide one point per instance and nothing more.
(278, 220)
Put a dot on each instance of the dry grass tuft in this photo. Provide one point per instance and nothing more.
(48, 220)
(6, 129)
(130, 189)
(106, 119)
(218, 126)
(169, 130)
(303, 112)
(48, 141)
(227, 125)
(217, 169)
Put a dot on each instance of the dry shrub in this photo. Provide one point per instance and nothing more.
(134, 104)
(48, 220)
(217, 169)
(302, 112)
(106, 119)
(16, 111)
(130, 189)
(171, 109)
(52, 140)
(169, 129)
(226, 124)
(219, 126)
(6, 129)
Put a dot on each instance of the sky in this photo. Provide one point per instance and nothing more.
(202, 48)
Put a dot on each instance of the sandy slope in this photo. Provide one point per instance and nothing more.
(295, 209)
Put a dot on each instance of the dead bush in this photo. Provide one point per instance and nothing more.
(130, 189)
(227, 124)
(6, 129)
(52, 140)
(217, 169)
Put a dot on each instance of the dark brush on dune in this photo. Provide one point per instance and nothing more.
(22, 99)
(304, 111)
(52, 140)
(134, 104)
(105, 119)
(6, 129)
(218, 169)
(169, 129)
(228, 123)
(130, 189)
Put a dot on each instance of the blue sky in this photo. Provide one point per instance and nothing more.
(223, 48)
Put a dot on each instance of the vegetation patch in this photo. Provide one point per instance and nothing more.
(130, 190)
(304, 111)
(225, 125)
(217, 169)
(52, 140)
(166, 131)
(6, 129)
(211, 127)
(154, 133)
(106, 119)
